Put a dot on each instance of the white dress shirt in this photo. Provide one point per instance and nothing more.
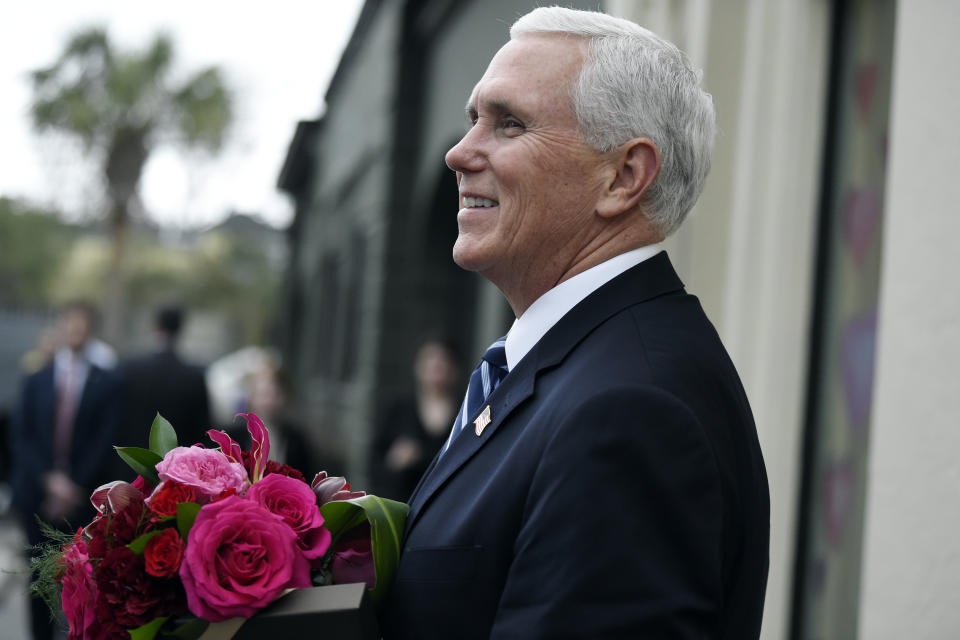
(70, 371)
(547, 310)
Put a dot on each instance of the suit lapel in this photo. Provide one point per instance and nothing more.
(649, 279)
(515, 388)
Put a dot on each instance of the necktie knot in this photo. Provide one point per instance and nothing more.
(496, 354)
(485, 378)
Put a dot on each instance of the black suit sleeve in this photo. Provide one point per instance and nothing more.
(26, 444)
(621, 536)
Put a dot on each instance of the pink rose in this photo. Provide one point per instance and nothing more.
(79, 591)
(208, 470)
(296, 503)
(240, 557)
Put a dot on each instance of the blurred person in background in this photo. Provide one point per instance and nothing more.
(161, 382)
(415, 427)
(268, 392)
(42, 353)
(5, 459)
(63, 430)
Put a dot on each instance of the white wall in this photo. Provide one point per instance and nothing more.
(911, 581)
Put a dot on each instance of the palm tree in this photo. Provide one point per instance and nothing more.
(121, 106)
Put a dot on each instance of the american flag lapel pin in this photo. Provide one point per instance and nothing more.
(482, 420)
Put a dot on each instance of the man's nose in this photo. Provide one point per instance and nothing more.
(466, 156)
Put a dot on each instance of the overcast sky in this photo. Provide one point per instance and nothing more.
(278, 57)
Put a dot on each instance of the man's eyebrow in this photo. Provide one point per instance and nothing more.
(495, 105)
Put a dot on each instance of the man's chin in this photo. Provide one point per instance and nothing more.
(469, 257)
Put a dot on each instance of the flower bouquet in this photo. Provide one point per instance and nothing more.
(207, 537)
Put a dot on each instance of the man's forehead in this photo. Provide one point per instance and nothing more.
(531, 59)
(548, 60)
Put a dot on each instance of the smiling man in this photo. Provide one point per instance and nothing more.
(603, 478)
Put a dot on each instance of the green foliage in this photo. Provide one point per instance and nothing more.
(204, 109)
(44, 261)
(140, 544)
(221, 271)
(386, 519)
(120, 105)
(163, 437)
(188, 630)
(96, 93)
(147, 631)
(142, 461)
(33, 249)
(186, 515)
(45, 566)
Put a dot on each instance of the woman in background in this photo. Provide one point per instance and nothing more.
(415, 427)
(266, 390)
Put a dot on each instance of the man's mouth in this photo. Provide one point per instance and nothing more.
(470, 203)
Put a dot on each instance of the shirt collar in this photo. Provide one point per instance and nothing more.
(65, 357)
(66, 361)
(547, 310)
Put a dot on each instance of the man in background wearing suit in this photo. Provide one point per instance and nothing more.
(604, 478)
(161, 382)
(63, 432)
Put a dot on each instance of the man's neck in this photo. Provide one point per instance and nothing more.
(555, 303)
(530, 290)
(521, 287)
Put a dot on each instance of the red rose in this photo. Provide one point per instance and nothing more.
(168, 495)
(163, 554)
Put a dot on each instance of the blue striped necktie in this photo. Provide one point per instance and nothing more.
(484, 379)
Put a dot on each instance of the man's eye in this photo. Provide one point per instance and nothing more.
(511, 123)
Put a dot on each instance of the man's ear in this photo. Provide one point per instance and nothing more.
(636, 165)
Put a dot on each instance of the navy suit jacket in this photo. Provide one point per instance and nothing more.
(91, 452)
(619, 491)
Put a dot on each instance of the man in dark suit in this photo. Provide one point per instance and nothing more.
(611, 485)
(64, 429)
(161, 382)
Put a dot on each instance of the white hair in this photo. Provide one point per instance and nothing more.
(634, 84)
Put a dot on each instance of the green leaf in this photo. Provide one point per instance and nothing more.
(138, 545)
(147, 631)
(190, 630)
(163, 437)
(340, 516)
(386, 519)
(142, 461)
(186, 514)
